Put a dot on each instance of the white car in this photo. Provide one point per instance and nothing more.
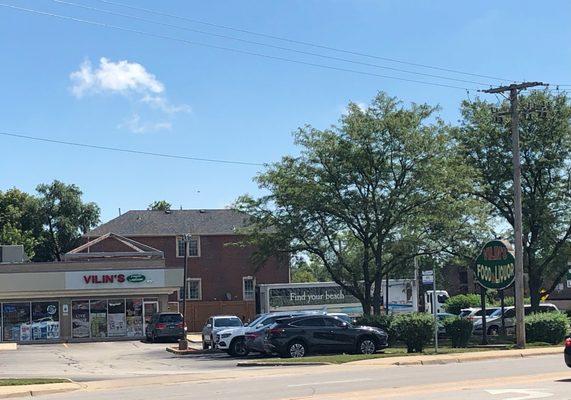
(216, 324)
(494, 321)
(474, 314)
(233, 340)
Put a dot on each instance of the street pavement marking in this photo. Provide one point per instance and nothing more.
(331, 382)
(529, 393)
(445, 387)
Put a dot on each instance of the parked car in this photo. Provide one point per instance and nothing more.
(440, 317)
(494, 321)
(235, 340)
(215, 324)
(165, 325)
(567, 351)
(344, 317)
(298, 336)
(475, 313)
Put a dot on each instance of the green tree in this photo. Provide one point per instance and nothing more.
(308, 269)
(65, 218)
(19, 222)
(484, 143)
(363, 197)
(159, 205)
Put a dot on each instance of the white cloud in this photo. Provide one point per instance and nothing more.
(115, 77)
(135, 125)
(161, 103)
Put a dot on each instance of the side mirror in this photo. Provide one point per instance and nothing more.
(345, 325)
(209, 325)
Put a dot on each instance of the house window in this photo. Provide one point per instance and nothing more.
(248, 285)
(193, 247)
(194, 288)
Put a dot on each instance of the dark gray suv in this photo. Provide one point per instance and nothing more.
(166, 325)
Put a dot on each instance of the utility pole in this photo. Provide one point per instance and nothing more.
(513, 90)
(183, 343)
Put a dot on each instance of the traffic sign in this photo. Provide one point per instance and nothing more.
(427, 277)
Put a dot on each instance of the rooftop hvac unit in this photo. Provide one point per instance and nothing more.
(12, 253)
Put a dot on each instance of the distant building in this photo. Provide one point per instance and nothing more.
(221, 276)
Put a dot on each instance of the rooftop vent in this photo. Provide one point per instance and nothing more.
(12, 253)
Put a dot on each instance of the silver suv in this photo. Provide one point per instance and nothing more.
(494, 321)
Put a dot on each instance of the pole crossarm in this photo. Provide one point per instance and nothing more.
(513, 86)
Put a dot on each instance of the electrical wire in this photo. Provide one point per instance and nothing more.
(122, 150)
(134, 17)
(300, 42)
(193, 43)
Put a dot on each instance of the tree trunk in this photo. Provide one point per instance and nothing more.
(366, 304)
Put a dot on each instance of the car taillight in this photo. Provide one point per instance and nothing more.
(568, 343)
(161, 326)
(276, 331)
(179, 325)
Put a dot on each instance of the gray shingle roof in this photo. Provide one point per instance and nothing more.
(173, 222)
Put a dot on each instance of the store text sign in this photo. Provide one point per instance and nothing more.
(495, 265)
(115, 279)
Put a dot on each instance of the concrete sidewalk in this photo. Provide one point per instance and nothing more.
(459, 357)
(7, 392)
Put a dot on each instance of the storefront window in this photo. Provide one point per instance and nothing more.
(16, 322)
(116, 324)
(80, 318)
(45, 320)
(98, 311)
(134, 309)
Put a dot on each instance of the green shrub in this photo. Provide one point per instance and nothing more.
(456, 303)
(546, 327)
(459, 330)
(379, 321)
(414, 329)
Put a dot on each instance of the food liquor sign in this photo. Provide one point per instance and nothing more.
(495, 266)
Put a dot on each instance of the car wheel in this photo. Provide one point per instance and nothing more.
(296, 349)
(366, 346)
(238, 348)
(493, 331)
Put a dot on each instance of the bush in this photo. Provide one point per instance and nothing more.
(456, 303)
(459, 330)
(546, 327)
(414, 329)
(379, 321)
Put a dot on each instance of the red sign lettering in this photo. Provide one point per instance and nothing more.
(101, 279)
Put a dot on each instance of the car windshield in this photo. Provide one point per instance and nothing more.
(496, 313)
(256, 320)
(492, 310)
(218, 322)
(465, 313)
(344, 318)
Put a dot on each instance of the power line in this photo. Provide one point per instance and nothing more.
(193, 43)
(134, 17)
(304, 43)
(121, 150)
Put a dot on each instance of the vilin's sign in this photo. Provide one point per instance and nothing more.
(495, 265)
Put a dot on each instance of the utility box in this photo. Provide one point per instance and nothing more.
(12, 253)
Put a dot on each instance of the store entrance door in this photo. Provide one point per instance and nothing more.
(149, 308)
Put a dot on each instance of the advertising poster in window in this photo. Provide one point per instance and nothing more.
(45, 320)
(98, 311)
(116, 324)
(16, 322)
(80, 319)
(135, 317)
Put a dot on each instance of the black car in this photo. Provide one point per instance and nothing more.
(165, 325)
(567, 351)
(298, 336)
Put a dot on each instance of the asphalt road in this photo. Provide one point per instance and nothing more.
(502, 379)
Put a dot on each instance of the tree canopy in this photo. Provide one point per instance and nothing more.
(365, 196)
(159, 205)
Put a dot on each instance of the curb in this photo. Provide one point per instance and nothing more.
(279, 364)
(10, 392)
(188, 352)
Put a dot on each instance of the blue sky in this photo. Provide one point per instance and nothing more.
(158, 95)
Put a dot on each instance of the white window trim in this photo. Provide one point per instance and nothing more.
(244, 278)
(199, 280)
(178, 255)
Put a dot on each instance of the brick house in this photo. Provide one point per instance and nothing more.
(221, 277)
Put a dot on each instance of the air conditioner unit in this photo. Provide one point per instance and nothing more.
(12, 254)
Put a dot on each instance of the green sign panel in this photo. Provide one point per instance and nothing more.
(495, 266)
(136, 278)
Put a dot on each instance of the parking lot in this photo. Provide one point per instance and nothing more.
(105, 360)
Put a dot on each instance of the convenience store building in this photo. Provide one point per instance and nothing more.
(89, 296)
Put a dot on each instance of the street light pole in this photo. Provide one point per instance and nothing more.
(183, 343)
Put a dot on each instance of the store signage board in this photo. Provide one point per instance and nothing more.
(495, 266)
(115, 279)
(310, 296)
